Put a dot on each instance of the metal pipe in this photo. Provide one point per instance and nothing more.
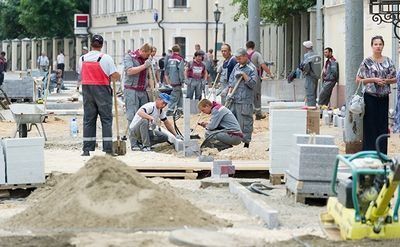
(206, 25)
(161, 27)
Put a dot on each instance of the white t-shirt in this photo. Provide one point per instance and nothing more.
(60, 58)
(149, 108)
(106, 62)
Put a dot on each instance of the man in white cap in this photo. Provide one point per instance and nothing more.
(311, 73)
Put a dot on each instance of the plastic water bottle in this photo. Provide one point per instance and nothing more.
(74, 127)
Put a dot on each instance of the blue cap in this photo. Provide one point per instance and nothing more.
(165, 97)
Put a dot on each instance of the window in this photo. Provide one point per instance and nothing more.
(132, 4)
(181, 41)
(123, 51)
(114, 49)
(132, 45)
(140, 5)
(113, 6)
(141, 41)
(151, 40)
(105, 6)
(150, 4)
(96, 8)
(180, 3)
(123, 5)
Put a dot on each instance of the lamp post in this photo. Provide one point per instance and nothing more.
(217, 15)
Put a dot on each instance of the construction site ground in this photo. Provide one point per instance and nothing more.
(298, 223)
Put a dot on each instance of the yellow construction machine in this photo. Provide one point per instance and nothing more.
(365, 204)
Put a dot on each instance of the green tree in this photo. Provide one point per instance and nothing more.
(10, 28)
(275, 11)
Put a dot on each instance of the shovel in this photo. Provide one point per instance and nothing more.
(118, 146)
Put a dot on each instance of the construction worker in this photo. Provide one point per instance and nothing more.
(196, 75)
(174, 75)
(257, 59)
(136, 81)
(243, 97)
(330, 76)
(143, 128)
(225, 71)
(96, 70)
(223, 131)
(311, 72)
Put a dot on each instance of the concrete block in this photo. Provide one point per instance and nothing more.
(191, 148)
(26, 168)
(255, 205)
(316, 139)
(179, 145)
(2, 166)
(286, 105)
(316, 188)
(206, 158)
(313, 162)
(335, 120)
(222, 168)
(19, 88)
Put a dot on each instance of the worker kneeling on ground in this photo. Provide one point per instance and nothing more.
(143, 128)
(223, 130)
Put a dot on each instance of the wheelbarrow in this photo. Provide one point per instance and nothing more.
(26, 116)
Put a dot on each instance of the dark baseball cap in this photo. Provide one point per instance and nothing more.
(97, 38)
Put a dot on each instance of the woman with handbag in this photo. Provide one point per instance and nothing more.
(376, 73)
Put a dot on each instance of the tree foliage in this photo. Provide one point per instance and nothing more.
(275, 11)
(10, 27)
(39, 18)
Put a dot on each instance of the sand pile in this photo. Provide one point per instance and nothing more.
(106, 193)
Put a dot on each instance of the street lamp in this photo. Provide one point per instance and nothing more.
(217, 16)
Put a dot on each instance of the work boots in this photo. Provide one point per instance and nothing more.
(260, 116)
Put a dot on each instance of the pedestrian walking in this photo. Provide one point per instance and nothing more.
(257, 59)
(243, 98)
(136, 80)
(174, 75)
(61, 63)
(97, 69)
(223, 130)
(196, 76)
(311, 72)
(3, 66)
(376, 73)
(225, 71)
(330, 76)
(43, 62)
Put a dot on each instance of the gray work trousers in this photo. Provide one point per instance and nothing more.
(176, 98)
(257, 97)
(221, 140)
(310, 85)
(326, 92)
(142, 134)
(244, 115)
(133, 101)
(194, 87)
(97, 100)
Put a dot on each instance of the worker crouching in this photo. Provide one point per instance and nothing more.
(223, 130)
(143, 128)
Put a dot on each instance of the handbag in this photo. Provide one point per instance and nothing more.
(357, 105)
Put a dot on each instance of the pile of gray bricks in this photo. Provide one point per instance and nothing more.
(283, 124)
(311, 169)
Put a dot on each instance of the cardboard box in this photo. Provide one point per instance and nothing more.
(313, 121)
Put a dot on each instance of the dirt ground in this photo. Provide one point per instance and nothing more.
(299, 223)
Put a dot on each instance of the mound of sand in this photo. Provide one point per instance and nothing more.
(106, 193)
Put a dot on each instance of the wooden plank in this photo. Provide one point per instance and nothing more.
(19, 186)
(184, 175)
(276, 179)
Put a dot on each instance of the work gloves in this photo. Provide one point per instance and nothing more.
(148, 63)
(238, 74)
(179, 137)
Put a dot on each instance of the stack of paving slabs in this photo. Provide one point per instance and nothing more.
(311, 169)
(283, 124)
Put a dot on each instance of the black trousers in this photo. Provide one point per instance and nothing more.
(375, 121)
(97, 101)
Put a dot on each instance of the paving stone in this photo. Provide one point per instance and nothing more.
(26, 168)
(316, 139)
(255, 205)
(317, 188)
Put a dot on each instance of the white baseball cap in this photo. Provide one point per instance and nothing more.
(308, 44)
